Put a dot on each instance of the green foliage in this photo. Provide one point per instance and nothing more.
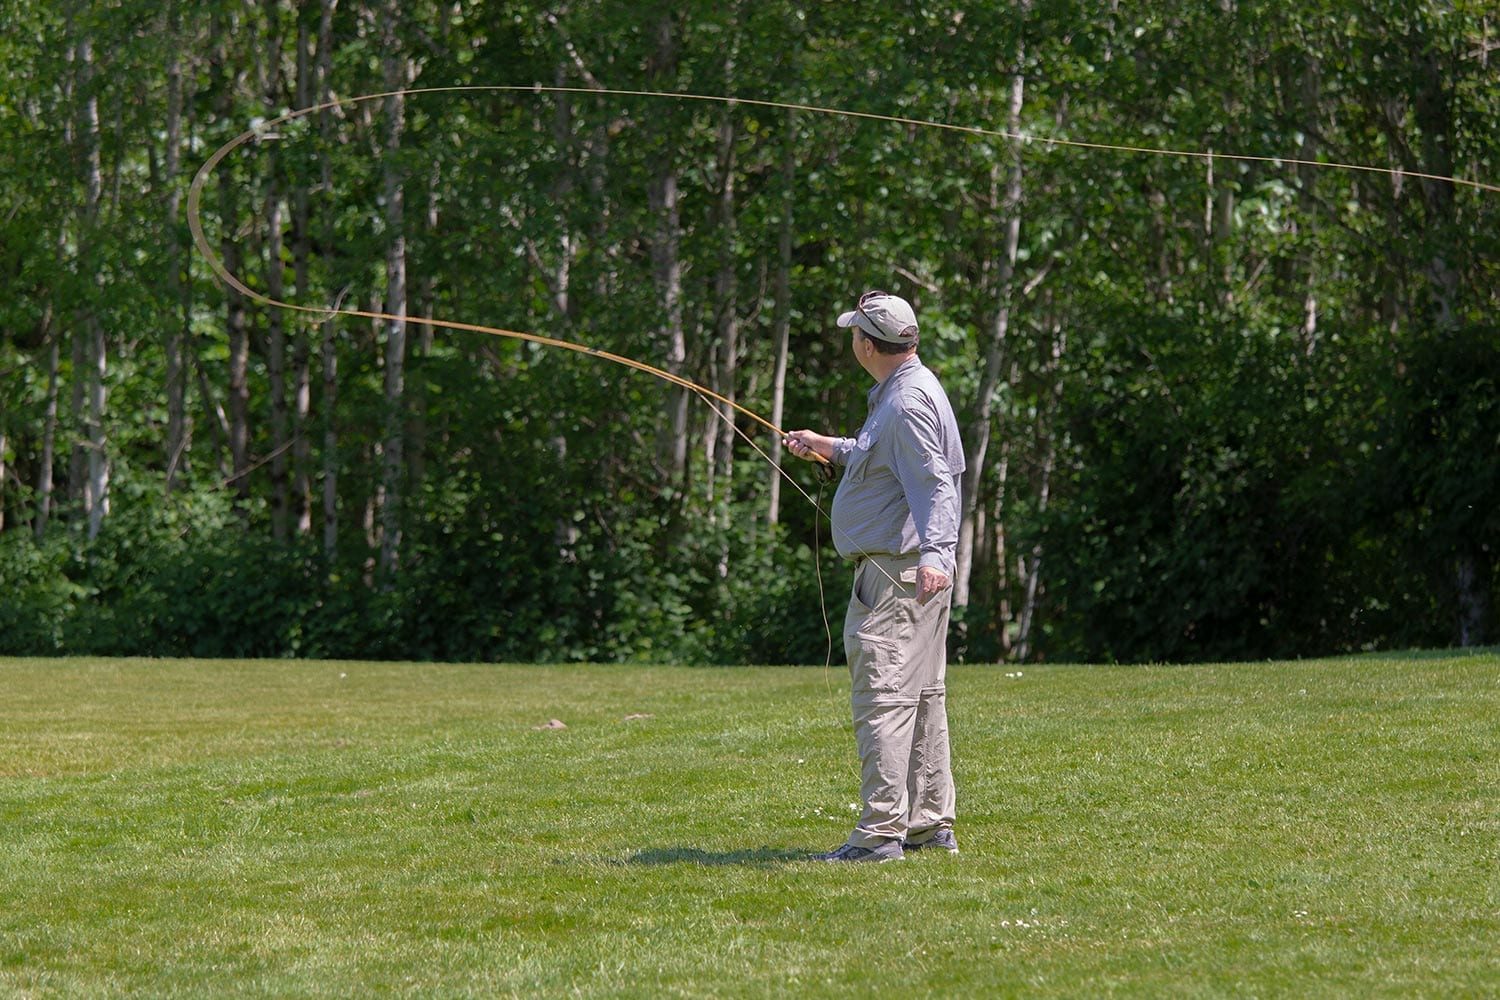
(1435, 473)
(40, 599)
(183, 582)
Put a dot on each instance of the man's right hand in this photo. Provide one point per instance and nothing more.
(806, 444)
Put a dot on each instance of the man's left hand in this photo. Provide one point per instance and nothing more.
(929, 583)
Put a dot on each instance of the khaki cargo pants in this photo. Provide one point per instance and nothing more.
(898, 659)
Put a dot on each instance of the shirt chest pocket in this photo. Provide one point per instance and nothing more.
(859, 464)
(863, 455)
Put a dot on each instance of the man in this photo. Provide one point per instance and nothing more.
(896, 515)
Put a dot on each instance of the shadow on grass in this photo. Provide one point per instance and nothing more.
(761, 857)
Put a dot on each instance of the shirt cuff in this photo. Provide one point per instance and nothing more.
(935, 560)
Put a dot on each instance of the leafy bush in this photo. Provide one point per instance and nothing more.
(39, 597)
(192, 577)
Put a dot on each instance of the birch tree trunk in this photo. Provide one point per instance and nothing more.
(330, 360)
(96, 494)
(236, 324)
(236, 420)
(77, 393)
(720, 464)
(726, 294)
(1311, 86)
(274, 212)
(981, 429)
(394, 436)
(276, 363)
(565, 530)
(178, 426)
(301, 350)
(559, 276)
(49, 443)
(426, 305)
(667, 260)
(329, 340)
(783, 297)
(238, 316)
(95, 349)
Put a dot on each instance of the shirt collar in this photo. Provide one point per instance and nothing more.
(908, 368)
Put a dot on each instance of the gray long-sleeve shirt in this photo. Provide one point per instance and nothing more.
(900, 490)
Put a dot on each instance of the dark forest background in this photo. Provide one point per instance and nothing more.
(1230, 403)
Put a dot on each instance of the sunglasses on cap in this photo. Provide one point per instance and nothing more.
(865, 300)
(905, 333)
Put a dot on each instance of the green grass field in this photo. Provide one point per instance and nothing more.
(283, 829)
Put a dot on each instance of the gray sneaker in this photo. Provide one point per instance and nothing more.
(943, 838)
(888, 851)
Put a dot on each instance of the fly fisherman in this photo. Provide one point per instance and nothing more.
(896, 516)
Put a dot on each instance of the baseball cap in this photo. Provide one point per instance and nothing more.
(883, 316)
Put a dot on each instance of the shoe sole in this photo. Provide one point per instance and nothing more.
(856, 861)
(877, 859)
(912, 849)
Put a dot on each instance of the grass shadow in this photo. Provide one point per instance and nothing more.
(760, 857)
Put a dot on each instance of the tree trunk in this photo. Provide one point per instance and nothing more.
(95, 348)
(301, 488)
(49, 443)
(329, 344)
(668, 268)
(394, 436)
(1004, 293)
(667, 260)
(783, 296)
(77, 395)
(726, 293)
(274, 212)
(720, 461)
(330, 359)
(276, 365)
(1311, 86)
(426, 305)
(563, 188)
(236, 324)
(178, 329)
(989, 525)
(96, 493)
(565, 529)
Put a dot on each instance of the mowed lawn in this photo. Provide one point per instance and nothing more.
(1324, 828)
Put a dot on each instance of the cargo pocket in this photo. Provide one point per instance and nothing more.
(878, 631)
(874, 665)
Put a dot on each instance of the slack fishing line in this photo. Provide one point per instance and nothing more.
(265, 130)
